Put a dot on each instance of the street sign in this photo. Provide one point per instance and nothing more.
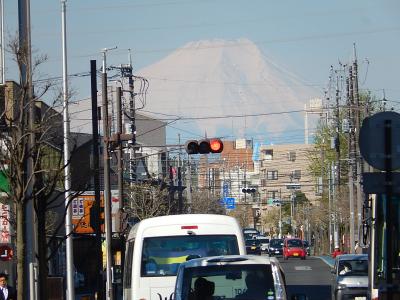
(6, 253)
(225, 189)
(372, 139)
(229, 202)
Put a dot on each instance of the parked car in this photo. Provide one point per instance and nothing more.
(253, 246)
(275, 247)
(231, 277)
(307, 247)
(350, 277)
(293, 247)
(264, 243)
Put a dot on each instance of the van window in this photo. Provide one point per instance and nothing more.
(161, 256)
(128, 264)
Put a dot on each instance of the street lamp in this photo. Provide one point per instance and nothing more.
(279, 203)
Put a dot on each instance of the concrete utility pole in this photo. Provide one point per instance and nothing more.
(28, 279)
(107, 191)
(180, 198)
(349, 83)
(189, 185)
(357, 147)
(119, 154)
(69, 252)
(96, 181)
(336, 168)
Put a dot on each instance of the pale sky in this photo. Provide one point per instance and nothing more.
(307, 37)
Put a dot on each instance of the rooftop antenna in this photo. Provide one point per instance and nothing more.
(130, 57)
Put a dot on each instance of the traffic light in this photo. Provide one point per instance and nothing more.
(249, 191)
(204, 146)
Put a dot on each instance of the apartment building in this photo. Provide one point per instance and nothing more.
(284, 170)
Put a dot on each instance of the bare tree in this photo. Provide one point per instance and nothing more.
(202, 203)
(242, 213)
(146, 201)
(43, 184)
(271, 220)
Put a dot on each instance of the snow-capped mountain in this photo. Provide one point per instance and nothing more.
(219, 78)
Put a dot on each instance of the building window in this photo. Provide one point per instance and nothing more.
(272, 174)
(291, 155)
(268, 154)
(296, 174)
(273, 195)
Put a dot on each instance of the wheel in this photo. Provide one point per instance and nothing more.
(303, 258)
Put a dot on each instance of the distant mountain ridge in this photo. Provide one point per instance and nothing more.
(226, 78)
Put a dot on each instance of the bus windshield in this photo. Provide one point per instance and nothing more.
(161, 256)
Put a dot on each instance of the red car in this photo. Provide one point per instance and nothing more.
(294, 248)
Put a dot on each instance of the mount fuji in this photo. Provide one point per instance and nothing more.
(227, 88)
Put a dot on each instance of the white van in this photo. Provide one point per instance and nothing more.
(157, 246)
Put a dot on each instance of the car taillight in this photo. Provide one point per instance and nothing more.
(189, 227)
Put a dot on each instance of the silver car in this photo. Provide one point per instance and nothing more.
(350, 277)
(231, 277)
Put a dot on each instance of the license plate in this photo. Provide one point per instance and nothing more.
(276, 251)
(360, 298)
(253, 248)
(295, 254)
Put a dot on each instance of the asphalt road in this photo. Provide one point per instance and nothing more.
(311, 277)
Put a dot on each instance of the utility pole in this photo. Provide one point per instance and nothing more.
(349, 84)
(96, 181)
(67, 170)
(359, 168)
(28, 278)
(189, 185)
(107, 192)
(180, 198)
(336, 168)
(132, 117)
(119, 155)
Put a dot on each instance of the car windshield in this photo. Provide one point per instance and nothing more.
(228, 282)
(276, 243)
(252, 242)
(264, 241)
(294, 243)
(355, 267)
(162, 255)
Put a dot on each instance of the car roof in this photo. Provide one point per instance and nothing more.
(352, 257)
(229, 260)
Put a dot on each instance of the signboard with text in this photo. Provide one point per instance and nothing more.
(5, 224)
(81, 207)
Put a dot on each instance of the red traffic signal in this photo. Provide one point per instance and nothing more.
(216, 146)
(204, 146)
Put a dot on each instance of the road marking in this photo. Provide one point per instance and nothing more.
(302, 268)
